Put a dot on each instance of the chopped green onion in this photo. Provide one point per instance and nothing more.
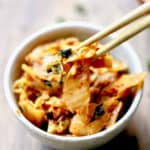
(48, 83)
(44, 125)
(61, 82)
(56, 68)
(98, 111)
(49, 115)
(66, 53)
(49, 70)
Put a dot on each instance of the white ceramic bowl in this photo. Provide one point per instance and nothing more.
(81, 31)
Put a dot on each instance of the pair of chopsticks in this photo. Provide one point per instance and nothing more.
(142, 11)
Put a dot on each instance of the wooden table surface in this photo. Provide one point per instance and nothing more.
(20, 18)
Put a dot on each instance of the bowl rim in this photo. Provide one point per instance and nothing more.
(38, 131)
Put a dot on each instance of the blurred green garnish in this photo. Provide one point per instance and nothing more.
(79, 8)
(66, 53)
(57, 68)
(60, 19)
(48, 83)
(148, 64)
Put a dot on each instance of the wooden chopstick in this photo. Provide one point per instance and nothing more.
(127, 34)
(129, 18)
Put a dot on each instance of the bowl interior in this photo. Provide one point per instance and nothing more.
(81, 31)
